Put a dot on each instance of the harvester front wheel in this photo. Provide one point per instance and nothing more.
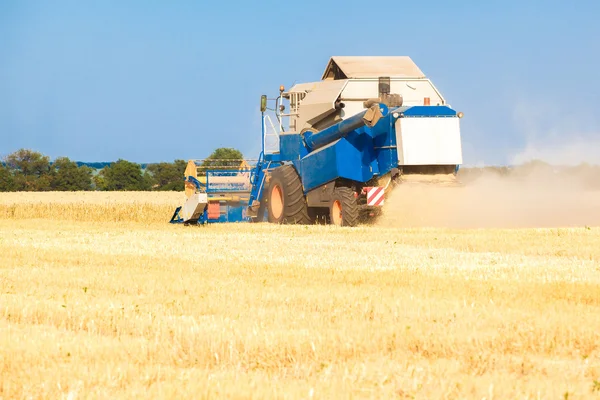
(343, 210)
(286, 201)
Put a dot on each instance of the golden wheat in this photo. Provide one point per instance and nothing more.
(91, 308)
(91, 206)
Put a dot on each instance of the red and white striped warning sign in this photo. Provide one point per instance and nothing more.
(375, 196)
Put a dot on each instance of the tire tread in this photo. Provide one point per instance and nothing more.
(350, 211)
(295, 210)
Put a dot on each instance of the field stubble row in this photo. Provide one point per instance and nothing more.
(138, 308)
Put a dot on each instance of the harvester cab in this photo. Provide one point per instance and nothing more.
(339, 145)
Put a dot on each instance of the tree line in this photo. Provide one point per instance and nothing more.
(29, 170)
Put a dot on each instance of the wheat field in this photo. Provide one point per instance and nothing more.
(101, 298)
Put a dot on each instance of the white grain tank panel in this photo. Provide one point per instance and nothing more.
(303, 87)
(413, 93)
(428, 141)
(351, 108)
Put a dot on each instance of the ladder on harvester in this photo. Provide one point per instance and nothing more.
(267, 159)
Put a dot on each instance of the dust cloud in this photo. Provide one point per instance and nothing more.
(539, 198)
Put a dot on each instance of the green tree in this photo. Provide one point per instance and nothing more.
(220, 157)
(7, 181)
(168, 176)
(67, 176)
(31, 170)
(122, 175)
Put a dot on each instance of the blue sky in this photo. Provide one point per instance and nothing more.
(154, 81)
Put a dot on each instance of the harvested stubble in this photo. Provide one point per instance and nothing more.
(113, 310)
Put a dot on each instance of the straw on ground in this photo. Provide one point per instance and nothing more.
(114, 305)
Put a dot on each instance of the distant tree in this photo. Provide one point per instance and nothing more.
(7, 181)
(122, 175)
(98, 181)
(220, 157)
(93, 165)
(167, 176)
(67, 176)
(31, 170)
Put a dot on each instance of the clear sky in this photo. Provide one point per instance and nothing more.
(154, 81)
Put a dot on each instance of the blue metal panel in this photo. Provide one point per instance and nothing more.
(428, 111)
(362, 140)
(237, 213)
(384, 145)
(340, 159)
(272, 157)
(352, 162)
(291, 147)
(319, 167)
(229, 213)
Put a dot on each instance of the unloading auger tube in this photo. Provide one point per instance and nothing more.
(369, 117)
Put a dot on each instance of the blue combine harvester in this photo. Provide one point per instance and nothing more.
(343, 144)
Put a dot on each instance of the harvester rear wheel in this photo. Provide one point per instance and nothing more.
(343, 210)
(286, 201)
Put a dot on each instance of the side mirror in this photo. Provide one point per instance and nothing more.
(263, 103)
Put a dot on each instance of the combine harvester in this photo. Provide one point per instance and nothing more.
(344, 142)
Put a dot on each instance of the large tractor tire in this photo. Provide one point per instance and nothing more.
(286, 201)
(343, 210)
